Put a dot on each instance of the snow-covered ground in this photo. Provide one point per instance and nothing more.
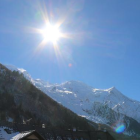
(5, 136)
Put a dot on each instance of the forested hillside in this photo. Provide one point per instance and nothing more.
(20, 100)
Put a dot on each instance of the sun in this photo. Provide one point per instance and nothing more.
(51, 33)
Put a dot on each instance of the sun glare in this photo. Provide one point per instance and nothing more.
(51, 33)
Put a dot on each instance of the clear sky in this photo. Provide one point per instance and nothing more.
(102, 50)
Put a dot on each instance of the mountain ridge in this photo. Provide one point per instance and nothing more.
(21, 100)
(83, 99)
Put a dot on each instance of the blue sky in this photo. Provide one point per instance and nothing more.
(103, 49)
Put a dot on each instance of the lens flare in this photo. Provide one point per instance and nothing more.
(119, 126)
(120, 129)
(70, 65)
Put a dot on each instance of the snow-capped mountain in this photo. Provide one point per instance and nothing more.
(81, 98)
(108, 106)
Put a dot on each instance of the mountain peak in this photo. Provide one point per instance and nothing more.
(74, 83)
(112, 88)
(115, 91)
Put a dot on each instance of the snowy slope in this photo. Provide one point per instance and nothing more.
(79, 97)
(106, 106)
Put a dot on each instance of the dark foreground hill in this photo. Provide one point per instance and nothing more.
(20, 100)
